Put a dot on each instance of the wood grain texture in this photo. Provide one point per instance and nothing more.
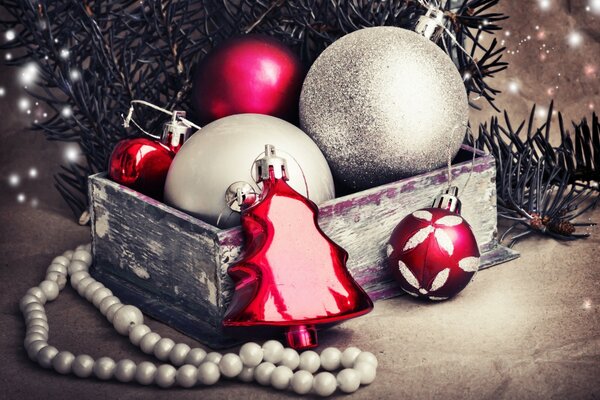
(174, 266)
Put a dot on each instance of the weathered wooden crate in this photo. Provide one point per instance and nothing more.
(174, 266)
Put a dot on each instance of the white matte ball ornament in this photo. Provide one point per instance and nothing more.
(224, 153)
(384, 103)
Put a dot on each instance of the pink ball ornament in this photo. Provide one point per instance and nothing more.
(432, 252)
(248, 74)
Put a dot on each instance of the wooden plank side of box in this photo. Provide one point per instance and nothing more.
(362, 222)
(163, 258)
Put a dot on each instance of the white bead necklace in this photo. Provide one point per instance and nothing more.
(269, 364)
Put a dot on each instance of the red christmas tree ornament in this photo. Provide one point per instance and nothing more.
(142, 163)
(292, 277)
(249, 74)
(432, 252)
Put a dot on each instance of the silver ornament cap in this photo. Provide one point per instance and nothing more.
(175, 132)
(271, 160)
(448, 200)
(431, 24)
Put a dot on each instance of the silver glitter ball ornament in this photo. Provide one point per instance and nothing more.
(384, 103)
(224, 152)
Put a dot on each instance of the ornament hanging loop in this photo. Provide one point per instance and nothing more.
(431, 25)
(177, 118)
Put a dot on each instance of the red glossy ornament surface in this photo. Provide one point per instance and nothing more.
(249, 74)
(141, 164)
(433, 253)
(292, 277)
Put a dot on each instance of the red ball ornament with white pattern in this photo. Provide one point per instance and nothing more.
(432, 252)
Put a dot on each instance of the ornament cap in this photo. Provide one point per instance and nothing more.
(448, 200)
(240, 195)
(431, 24)
(175, 132)
(271, 161)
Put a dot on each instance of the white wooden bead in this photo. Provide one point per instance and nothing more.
(148, 342)
(112, 310)
(78, 277)
(367, 372)
(165, 375)
(107, 303)
(178, 353)
(331, 358)
(45, 356)
(37, 292)
(91, 289)
(290, 358)
(83, 284)
(251, 354)
(262, 373)
(59, 268)
(80, 247)
(34, 307)
(367, 356)
(208, 373)
(349, 356)
(35, 314)
(214, 357)
(230, 365)
(34, 348)
(34, 337)
(163, 348)
(104, 368)
(125, 370)
(62, 260)
(82, 255)
(137, 333)
(68, 254)
(247, 374)
(100, 295)
(88, 247)
(348, 380)
(126, 317)
(196, 356)
(77, 266)
(187, 376)
(28, 299)
(272, 351)
(60, 279)
(63, 362)
(38, 322)
(324, 384)
(281, 377)
(37, 329)
(145, 373)
(83, 366)
(302, 382)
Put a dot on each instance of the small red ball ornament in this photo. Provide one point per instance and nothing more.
(249, 74)
(142, 164)
(432, 252)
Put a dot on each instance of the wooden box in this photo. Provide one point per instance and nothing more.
(174, 266)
